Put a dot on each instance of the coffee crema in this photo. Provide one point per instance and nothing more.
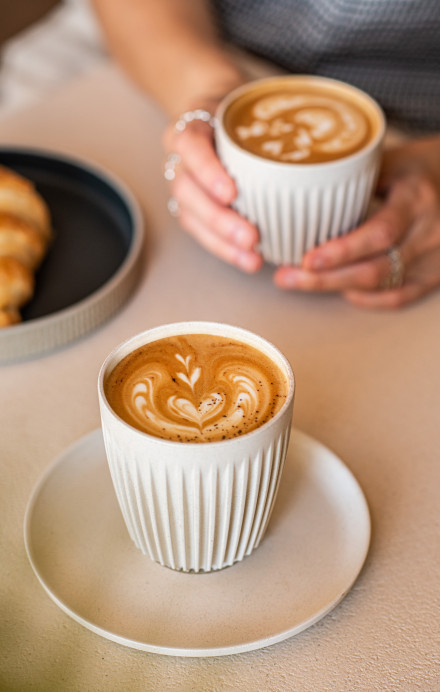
(299, 123)
(196, 388)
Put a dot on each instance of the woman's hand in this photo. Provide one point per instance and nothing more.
(204, 192)
(358, 264)
(152, 40)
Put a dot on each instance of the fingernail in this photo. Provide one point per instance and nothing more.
(248, 261)
(242, 237)
(316, 262)
(288, 279)
(222, 190)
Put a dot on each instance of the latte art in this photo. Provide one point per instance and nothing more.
(298, 126)
(196, 388)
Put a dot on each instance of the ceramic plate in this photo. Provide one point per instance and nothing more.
(90, 268)
(312, 553)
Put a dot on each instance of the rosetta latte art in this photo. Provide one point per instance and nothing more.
(301, 127)
(188, 390)
(191, 412)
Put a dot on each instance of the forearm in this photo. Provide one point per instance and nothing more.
(170, 48)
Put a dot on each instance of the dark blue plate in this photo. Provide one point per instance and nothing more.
(93, 228)
(97, 240)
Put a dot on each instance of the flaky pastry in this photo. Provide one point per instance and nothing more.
(16, 283)
(25, 234)
(9, 316)
(19, 239)
(19, 197)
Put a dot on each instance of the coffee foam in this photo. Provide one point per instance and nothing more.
(196, 388)
(298, 123)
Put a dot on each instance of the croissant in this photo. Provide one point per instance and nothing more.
(9, 316)
(25, 235)
(16, 283)
(19, 197)
(19, 239)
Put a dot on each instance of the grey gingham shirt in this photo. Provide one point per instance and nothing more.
(390, 48)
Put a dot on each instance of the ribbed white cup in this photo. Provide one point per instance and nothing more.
(196, 506)
(298, 206)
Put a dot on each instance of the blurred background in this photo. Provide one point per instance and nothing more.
(16, 15)
(43, 44)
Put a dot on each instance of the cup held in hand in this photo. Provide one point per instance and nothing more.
(304, 152)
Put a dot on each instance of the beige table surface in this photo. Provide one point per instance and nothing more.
(368, 387)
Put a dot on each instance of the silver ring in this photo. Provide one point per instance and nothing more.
(396, 274)
(173, 207)
(190, 116)
(171, 162)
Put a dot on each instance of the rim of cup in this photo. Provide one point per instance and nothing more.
(330, 81)
(196, 327)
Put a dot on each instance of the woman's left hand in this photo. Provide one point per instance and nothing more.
(393, 258)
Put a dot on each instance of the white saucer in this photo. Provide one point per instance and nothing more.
(315, 546)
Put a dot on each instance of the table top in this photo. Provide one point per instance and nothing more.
(367, 388)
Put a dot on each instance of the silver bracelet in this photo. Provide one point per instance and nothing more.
(190, 116)
(170, 166)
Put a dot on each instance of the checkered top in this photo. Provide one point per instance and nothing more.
(389, 48)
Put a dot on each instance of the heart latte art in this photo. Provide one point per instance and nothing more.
(196, 388)
(302, 125)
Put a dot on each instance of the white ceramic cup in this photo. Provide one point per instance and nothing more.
(196, 506)
(297, 206)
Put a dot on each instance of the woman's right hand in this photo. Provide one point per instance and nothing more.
(151, 39)
(204, 192)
